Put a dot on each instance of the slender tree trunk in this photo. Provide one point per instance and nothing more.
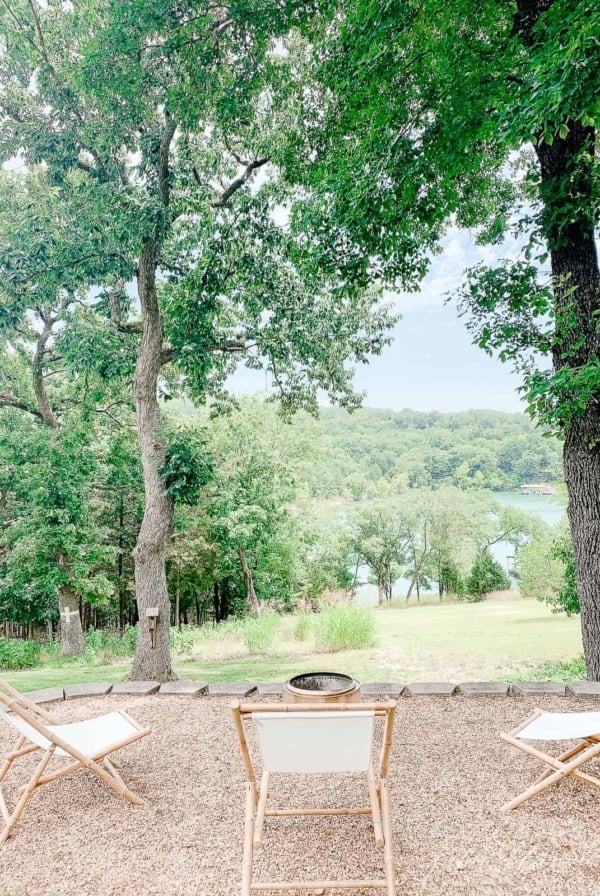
(569, 212)
(121, 584)
(152, 661)
(71, 631)
(251, 598)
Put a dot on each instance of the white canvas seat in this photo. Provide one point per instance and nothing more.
(316, 739)
(583, 727)
(92, 736)
(85, 743)
(312, 743)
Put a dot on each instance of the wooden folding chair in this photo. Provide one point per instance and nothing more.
(313, 738)
(87, 744)
(584, 727)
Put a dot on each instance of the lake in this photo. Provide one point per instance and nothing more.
(548, 507)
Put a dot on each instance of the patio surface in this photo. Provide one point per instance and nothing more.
(449, 776)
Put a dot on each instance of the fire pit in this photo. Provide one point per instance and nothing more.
(321, 687)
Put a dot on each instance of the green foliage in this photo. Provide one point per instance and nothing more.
(187, 467)
(182, 640)
(547, 570)
(102, 646)
(303, 625)
(486, 576)
(567, 598)
(18, 654)
(568, 671)
(344, 627)
(451, 580)
(260, 631)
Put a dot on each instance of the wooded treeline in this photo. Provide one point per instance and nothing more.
(267, 512)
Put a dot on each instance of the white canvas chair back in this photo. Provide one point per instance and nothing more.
(309, 743)
(581, 727)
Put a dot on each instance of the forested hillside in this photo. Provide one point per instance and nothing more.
(377, 452)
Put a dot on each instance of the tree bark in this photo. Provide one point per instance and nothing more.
(251, 598)
(152, 660)
(71, 632)
(567, 194)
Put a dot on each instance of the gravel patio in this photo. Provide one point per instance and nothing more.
(449, 776)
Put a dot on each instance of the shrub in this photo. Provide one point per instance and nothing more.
(17, 654)
(103, 645)
(344, 627)
(182, 639)
(304, 624)
(486, 575)
(259, 632)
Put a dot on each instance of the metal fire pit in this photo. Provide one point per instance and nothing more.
(321, 687)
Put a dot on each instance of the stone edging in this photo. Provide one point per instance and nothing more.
(387, 689)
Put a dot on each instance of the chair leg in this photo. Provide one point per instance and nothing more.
(562, 770)
(114, 782)
(39, 771)
(375, 808)
(388, 849)
(112, 766)
(262, 804)
(248, 839)
(568, 754)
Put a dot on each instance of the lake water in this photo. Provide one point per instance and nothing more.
(547, 507)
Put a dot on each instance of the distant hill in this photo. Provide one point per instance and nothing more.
(377, 452)
(373, 450)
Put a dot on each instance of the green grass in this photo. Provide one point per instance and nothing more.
(493, 639)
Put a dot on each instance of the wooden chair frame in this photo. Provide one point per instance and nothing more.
(13, 701)
(567, 763)
(256, 799)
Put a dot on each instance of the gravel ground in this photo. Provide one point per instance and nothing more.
(449, 776)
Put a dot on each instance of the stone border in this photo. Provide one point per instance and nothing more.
(368, 689)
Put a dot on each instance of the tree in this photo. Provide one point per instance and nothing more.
(380, 539)
(421, 116)
(52, 543)
(159, 112)
(247, 502)
(546, 570)
(486, 575)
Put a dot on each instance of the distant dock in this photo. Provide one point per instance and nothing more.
(537, 488)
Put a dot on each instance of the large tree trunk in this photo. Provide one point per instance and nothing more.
(251, 598)
(567, 195)
(71, 632)
(152, 659)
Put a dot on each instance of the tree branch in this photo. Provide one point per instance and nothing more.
(239, 182)
(8, 400)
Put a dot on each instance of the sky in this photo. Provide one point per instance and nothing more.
(431, 363)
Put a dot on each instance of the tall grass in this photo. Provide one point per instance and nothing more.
(304, 625)
(344, 627)
(260, 631)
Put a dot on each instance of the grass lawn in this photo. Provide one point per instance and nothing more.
(494, 639)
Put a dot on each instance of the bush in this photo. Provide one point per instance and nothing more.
(259, 632)
(182, 639)
(344, 627)
(103, 645)
(17, 654)
(304, 624)
(486, 575)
